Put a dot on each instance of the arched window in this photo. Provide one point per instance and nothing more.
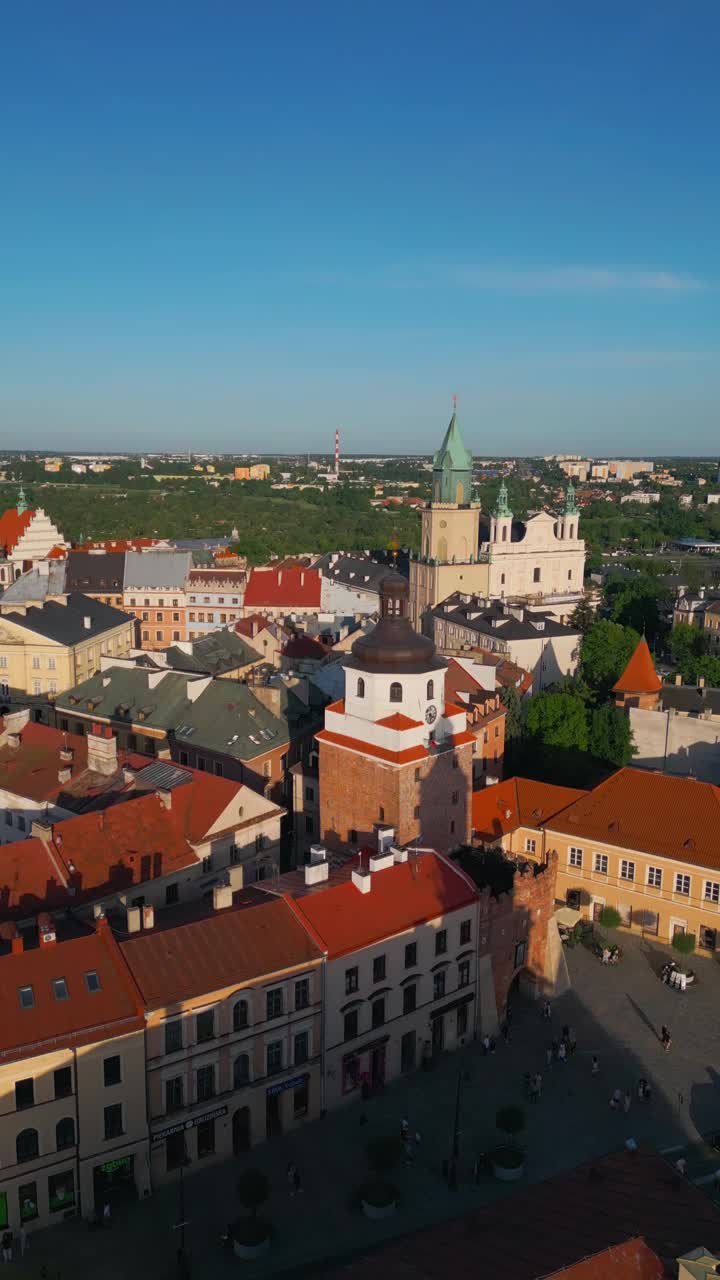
(381, 814)
(240, 1015)
(360, 687)
(504, 533)
(395, 691)
(241, 1071)
(65, 1133)
(27, 1146)
(430, 689)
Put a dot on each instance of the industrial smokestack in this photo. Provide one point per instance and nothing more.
(337, 453)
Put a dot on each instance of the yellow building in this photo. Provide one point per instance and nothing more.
(47, 649)
(256, 471)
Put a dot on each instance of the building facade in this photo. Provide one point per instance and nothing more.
(46, 650)
(214, 599)
(154, 591)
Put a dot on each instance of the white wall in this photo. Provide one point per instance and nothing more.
(676, 744)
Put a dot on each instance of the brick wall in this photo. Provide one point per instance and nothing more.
(523, 915)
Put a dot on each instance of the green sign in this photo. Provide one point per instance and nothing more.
(122, 1163)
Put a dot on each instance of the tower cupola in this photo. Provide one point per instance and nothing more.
(452, 468)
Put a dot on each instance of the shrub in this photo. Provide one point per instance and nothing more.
(510, 1120)
(253, 1189)
(684, 943)
(610, 918)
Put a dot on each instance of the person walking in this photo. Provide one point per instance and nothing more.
(547, 1011)
(7, 1243)
(297, 1182)
(22, 1238)
(665, 1038)
(572, 1040)
(595, 1069)
(626, 1101)
(404, 1129)
(538, 1084)
(615, 1099)
(548, 1055)
(562, 1052)
(290, 1173)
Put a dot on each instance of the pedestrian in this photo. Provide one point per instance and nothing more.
(615, 1099)
(555, 1048)
(506, 1031)
(562, 1052)
(572, 1040)
(7, 1242)
(106, 1214)
(626, 1101)
(290, 1175)
(642, 1089)
(486, 1045)
(681, 1165)
(548, 1055)
(538, 1084)
(22, 1237)
(665, 1038)
(606, 955)
(297, 1182)
(404, 1129)
(547, 1011)
(565, 1032)
(595, 1069)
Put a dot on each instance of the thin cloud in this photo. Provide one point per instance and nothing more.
(517, 280)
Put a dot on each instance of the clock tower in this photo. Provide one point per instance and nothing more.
(393, 752)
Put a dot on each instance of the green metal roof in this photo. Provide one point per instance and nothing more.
(452, 467)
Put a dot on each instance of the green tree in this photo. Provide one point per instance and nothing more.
(606, 650)
(513, 717)
(639, 603)
(558, 720)
(686, 644)
(611, 735)
(583, 617)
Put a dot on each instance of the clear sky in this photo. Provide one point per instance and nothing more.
(235, 225)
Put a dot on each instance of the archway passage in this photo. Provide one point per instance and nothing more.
(241, 1130)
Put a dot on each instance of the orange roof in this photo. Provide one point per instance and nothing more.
(392, 757)
(13, 525)
(338, 707)
(284, 589)
(452, 709)
(50, 1024)
(651, 812)
(639, 675)
(401, 896)
(632, 1260)
(518, 802)
(398, 721)
(57, 553)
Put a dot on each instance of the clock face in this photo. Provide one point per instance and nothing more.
(431, 715)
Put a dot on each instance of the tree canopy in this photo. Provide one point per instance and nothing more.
(606, 650)
(558, 720)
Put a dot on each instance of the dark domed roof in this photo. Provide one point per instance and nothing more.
(393, 644)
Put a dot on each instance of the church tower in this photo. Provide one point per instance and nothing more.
(448, 559)
(393, 752)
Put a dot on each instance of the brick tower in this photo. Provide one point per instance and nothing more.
(639, 685)
(393, 753)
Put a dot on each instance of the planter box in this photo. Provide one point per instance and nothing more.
(251, 1250)
(506, 1172)
(378, 1211)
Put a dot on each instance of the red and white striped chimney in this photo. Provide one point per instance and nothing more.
(337, 453)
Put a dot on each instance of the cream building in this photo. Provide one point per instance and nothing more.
(46, 650)
(27, 537)
(541, 560)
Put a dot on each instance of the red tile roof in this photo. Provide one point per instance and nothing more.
(632, 1260)
(338, 707)
(284, 589)
(639, 675)
(534, 1234)
(227, 947)
(115, 1009)
(398, 721)
(402, 896)
(57, 553)
(392, 757)
(452, 709)
(651, 812)
(13, 524)
(518, 802)
(244, 626)
(299, 647)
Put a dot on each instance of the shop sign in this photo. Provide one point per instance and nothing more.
(287, 1084)
(190, 1123)
(123, 1162)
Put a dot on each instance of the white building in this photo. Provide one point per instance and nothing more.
(531, 638)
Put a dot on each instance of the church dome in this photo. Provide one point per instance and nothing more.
(393, 645)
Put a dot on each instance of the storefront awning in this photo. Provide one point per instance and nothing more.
(568, 917)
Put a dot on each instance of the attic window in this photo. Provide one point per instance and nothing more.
(689, 843)
(27, 997)
(92, 981)
(60, 991)
(73, 700)
(145, 712)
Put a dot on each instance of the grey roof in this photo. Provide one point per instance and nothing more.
(354, 571)
(35, 585)
(65, 623)
(213, 654)
(690, 699)
(155, 569)
(493, 620)
(89, 571)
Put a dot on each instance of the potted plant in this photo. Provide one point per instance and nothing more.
(684, 943)
(508, 1158)
(378, 1196)
(251, 1235)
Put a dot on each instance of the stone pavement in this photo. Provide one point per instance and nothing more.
(616, 1012)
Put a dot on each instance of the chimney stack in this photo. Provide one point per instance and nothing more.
(701, 682)
(165, 798)
(222, 897)
(148, 917)
(102, 751)
(678, 678)
(133, 919)
(17, 944)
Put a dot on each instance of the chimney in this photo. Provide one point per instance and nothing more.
(701, 682)
(165, 798)
(148, 917)
(133, 919)
(236, 876)
(362, 878)
(102, 752)
(381, 861)
(399, 855)
(128, 775)
(318, 868)
(64, 774)
(222, 897)
(87, 622)
(678, 678)
(66, 754)
(48, 936)
(41, 830)
(17, 944)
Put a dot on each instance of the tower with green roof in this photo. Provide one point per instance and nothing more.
(452, 468)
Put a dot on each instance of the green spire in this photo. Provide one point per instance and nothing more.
(21, 503)
(502, 508)
(571, 507)
(452, 467)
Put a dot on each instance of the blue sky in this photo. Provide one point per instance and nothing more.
(235, 226)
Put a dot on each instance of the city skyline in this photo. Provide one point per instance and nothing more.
(244, 228)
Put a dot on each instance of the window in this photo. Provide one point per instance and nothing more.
(310, 793)
(175, 1151)
(65, 1133)
(452, 827)
(173, 1036)
(114, 1121)
(240, 1015)
(520, 953)
(205, 1082)
(22, 826)
(360, 691)
(600, 863)
(351, 980)
(24, 1094)
(439, 985)
(381, 814)
(26, 996)
(309, 825)
(27, 1199)
(712, 891)
(301, 1048)
(206, 1138)
(378, 1012)
(627, 869)
(176, 618)
(536, 575)
(37, 687)
(27, 1146)
(379, 969)
(654, 877)
(3, 660)
(172, 894)
(51, 664)
(353, 836)
(530, 844)
(417, 775)
(430, 691)
(111, 1070)
(410, 998)
(302, 993)
(464, 973)
(396, 692)
(575, 857)
(241, 1070)
(146, 635)
(465, 932)
(410, 955)
(274, 1003)
(61, 1191)
(455, 797)
(35, 663)
(52, 686)
(158, 635)
(682, 883)
(205, 1026)
(146, 617)
(441, 942)
(62, 1080)
(416, 811)
(174, 1094)
(158, 617)
(350, 1024)
(274, 1057)
(59, 986)
(176, 635)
